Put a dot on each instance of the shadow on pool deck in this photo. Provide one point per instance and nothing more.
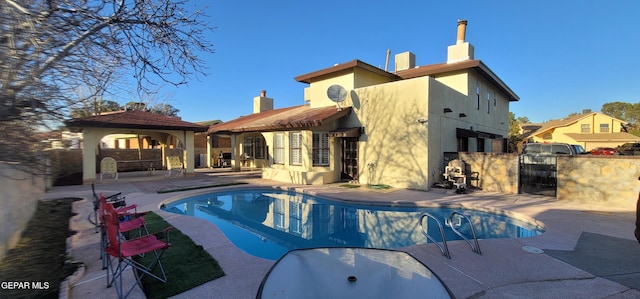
(584, 254)
(609, 257)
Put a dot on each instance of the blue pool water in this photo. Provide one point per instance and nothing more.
(268, 223)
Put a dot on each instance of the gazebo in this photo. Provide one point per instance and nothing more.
(159, 127)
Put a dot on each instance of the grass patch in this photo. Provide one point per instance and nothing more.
(40, 255)
(379, 187)
(200, 187)
(349, 186)
(186, 264)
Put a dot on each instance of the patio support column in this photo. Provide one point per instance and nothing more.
(89, 146)
(189, 152)
(209, 146)
(235, 154)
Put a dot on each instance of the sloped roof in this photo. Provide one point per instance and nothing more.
(135, 119)
(347, 66)
(442, 68)
(281, 119)
(420, 71)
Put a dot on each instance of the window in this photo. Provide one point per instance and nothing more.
(604, 128)
(547, 136)
(278, 148)
(320, 148)
(463, 144)
(480, 145)
(259, 147)
(488, 102)
(478, 95)
(248, 147)
(585, 128)
(295, 148)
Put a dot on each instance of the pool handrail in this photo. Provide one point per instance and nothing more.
(443, 248)
(474, 247)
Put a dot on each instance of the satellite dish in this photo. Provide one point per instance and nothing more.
(336, 93)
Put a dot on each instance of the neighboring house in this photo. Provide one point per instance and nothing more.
(392, 128)
(58, 139)
(589, 129)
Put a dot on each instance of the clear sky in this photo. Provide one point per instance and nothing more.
(559, 57)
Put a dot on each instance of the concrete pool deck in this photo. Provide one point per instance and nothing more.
(587, 250)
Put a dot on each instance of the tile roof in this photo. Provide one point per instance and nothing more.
(135, 119)
(281, 119)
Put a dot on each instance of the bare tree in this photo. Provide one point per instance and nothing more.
(49, 48)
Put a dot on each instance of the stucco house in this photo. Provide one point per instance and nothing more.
(589, 129)
(362, 123)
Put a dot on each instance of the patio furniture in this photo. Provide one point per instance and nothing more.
(121, 253)
(174, 164)
(454, 174)
(128, 222)
(109, 166)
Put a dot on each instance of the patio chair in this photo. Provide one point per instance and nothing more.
(455, 175)
(174, 164)
(128, 222)
(109, 166)
(121, 255)
(117, 200)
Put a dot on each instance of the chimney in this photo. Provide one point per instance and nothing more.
(262, 103)
(405, 61)
(462, 31)
(462, 50)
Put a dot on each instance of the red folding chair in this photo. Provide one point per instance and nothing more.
(121, 252)
(132, 221)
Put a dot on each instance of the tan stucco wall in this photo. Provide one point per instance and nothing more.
(19, 197)
(393, 148)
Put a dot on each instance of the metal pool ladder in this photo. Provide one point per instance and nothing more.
(475, 247)
(443, 248)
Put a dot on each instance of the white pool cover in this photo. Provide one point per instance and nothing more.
(350, 273)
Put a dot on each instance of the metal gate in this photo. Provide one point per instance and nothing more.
(538, 174)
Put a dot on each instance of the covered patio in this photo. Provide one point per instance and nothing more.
(159, 127)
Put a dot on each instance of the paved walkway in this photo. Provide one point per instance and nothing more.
(587, 251)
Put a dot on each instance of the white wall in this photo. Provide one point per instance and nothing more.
(18, 201)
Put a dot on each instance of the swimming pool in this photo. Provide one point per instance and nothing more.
(267, 223)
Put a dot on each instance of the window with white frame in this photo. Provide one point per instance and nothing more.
(248, 147)
(295, 148)
(320, 149)
(259, 147)
(585, 128)
(278, 148)
(604, 128)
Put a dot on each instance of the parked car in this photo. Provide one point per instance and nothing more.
(553, 149)
(604, 151)
(631, 148)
